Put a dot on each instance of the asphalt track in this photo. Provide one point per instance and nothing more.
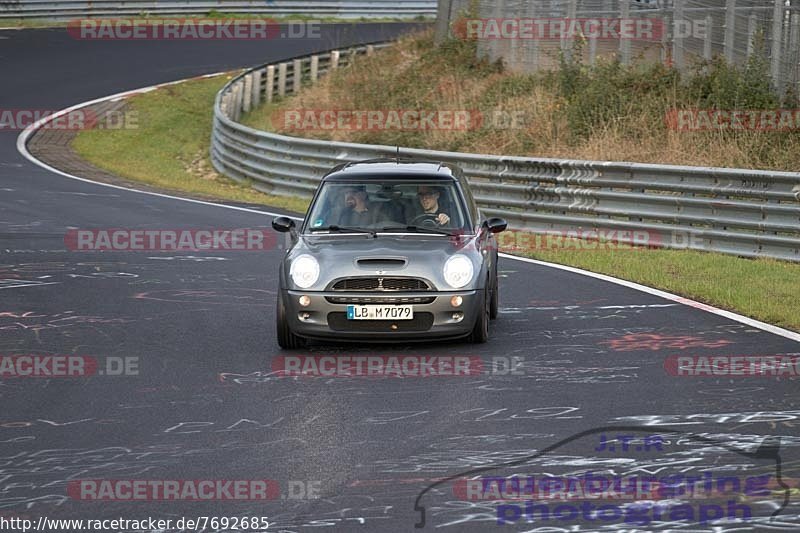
(205, 405)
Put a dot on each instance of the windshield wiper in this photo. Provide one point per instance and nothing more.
(344, 228)
(417, 229)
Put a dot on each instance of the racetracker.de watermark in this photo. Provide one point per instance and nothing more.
(75, 120)
(557, 29)
(322, 120)
(191, 489)
(66, 366)
(181, 29)
(377, 366)
(590, 240)
(169, 240)
(585, 240)
(779, 365)
(761, 120)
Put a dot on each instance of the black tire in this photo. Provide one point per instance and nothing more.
(286, 339)
(494, 304)
(480, 333)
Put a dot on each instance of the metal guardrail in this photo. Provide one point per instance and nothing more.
(748, 213)
(73, 9)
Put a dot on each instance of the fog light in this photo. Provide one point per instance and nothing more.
(458, 316)
(305, 316)
(456, 301)
(305, 301)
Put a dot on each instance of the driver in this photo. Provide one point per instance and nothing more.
(429, 202)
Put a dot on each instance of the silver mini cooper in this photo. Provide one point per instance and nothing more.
(389, 250)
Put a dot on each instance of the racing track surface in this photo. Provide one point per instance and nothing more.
(205, 405)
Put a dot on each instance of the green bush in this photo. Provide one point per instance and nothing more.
(716, 84)
(608, 93)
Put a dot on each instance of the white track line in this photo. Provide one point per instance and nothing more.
(26, 134)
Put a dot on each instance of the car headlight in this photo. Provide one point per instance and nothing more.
(304, 271)
(458, 271)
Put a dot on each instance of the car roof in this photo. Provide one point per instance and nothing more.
(379, 169)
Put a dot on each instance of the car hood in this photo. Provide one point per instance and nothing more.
(416, 255)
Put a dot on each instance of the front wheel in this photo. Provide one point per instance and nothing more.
(480, 333)
(286, 339)
(494, 305)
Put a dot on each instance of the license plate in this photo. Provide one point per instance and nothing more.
(380, 312)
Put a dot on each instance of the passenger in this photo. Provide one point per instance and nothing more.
(358, 211)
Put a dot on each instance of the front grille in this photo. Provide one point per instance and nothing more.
(420, 322)
(381, 284)
(380, 299)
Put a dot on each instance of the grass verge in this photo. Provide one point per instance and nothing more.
(169, 148)
(30, 23)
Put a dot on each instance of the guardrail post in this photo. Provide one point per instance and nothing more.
(232, 103)
(225, 104)
(625, 44)
(297, 67)
(730, 29)
(247, 93)
(240, 102)
(794, 44)
(256, 87)
(282, 79)
(707, 41)
(592, 41)
(370, 49)
(566, 44)
(335, 59)
(777, 27)
(665, 36)
(752, 24)
(314, 68)
(270, 83)
(443, 14)
(530, 52)
(237, 101)
(677, 35)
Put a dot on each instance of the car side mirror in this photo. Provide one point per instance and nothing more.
(496, 225)
(282, 224)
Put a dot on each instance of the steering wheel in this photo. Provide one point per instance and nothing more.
(426, 219)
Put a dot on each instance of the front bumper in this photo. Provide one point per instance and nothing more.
(326, 316)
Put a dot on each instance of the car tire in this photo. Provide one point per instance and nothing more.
(286, 339)
(494, 305)
(480, 333)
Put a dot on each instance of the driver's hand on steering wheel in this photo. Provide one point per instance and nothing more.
(442, 219)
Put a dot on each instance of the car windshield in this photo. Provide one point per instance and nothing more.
(393, 206)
